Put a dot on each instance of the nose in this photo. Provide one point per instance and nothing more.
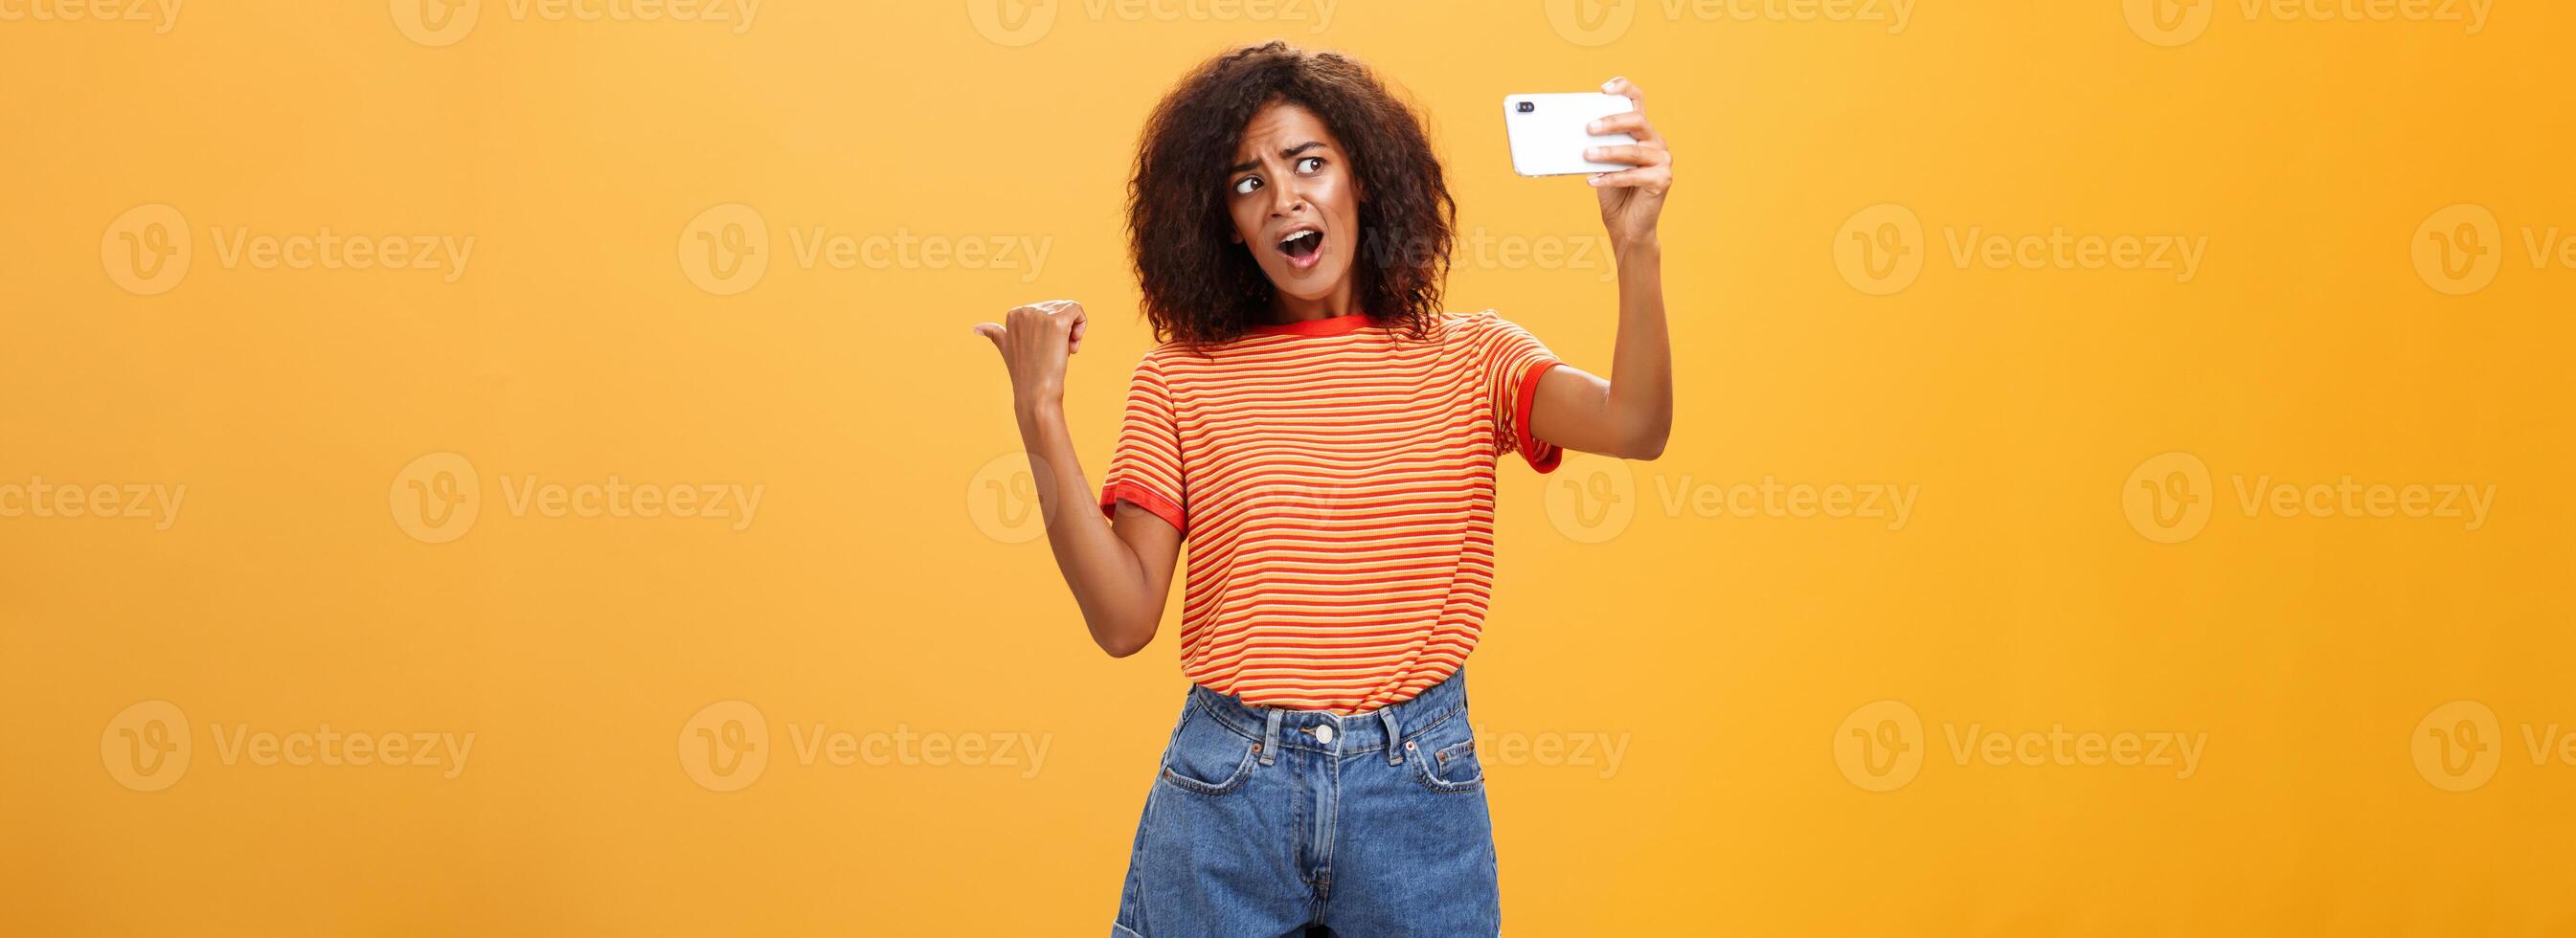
(1285, 198)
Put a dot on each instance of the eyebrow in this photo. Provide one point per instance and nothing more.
(1283, 154)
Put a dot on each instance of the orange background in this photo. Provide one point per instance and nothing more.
(887, 584)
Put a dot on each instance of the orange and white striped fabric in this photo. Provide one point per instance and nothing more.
(1334, 482)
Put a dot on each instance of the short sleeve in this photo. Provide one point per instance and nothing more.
(1513, 360)
(1145, 469)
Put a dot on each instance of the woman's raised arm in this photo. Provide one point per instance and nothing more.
(1631, 414)
(1120, 572)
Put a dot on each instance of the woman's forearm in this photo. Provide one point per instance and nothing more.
(1641, 377)
(1116, 590)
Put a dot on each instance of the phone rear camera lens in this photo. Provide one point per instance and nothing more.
(1528, 106)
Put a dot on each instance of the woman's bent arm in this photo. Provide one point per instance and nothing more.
(1631, 415)
(1120, 574)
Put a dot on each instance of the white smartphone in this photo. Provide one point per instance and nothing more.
(1548, 136)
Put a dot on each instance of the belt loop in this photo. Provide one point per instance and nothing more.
(1394, 735)
(1270, 738)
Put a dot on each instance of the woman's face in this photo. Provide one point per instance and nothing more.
(1295, 202)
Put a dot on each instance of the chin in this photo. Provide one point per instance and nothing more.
(1315, 284)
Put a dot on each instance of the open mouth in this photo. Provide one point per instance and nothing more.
(1302, 248)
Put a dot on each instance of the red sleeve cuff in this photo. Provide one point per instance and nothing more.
(1145, 498)
(1542, 455)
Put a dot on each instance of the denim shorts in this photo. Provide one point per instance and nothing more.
(1271, 822)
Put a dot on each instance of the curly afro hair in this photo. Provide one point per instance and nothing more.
(1200, 287)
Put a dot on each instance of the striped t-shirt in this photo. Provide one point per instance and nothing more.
(1334, 482)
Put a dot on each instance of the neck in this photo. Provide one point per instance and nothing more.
(1288, 309)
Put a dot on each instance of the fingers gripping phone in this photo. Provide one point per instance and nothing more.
(1548, 136)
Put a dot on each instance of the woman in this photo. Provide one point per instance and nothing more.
(1325, 438)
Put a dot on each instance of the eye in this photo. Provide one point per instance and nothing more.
(1247, 185)
(1310, 164)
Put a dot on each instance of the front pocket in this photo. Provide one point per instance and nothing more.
(1449, 770)
(1242, 773)
(1208, 759)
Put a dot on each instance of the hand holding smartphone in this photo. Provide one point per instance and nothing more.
(1548, 131)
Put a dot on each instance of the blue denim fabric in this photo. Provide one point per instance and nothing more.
(1266, 822)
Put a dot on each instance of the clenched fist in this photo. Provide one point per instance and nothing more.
(1034, 341)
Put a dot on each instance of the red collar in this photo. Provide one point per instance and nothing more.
(1334, 325)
